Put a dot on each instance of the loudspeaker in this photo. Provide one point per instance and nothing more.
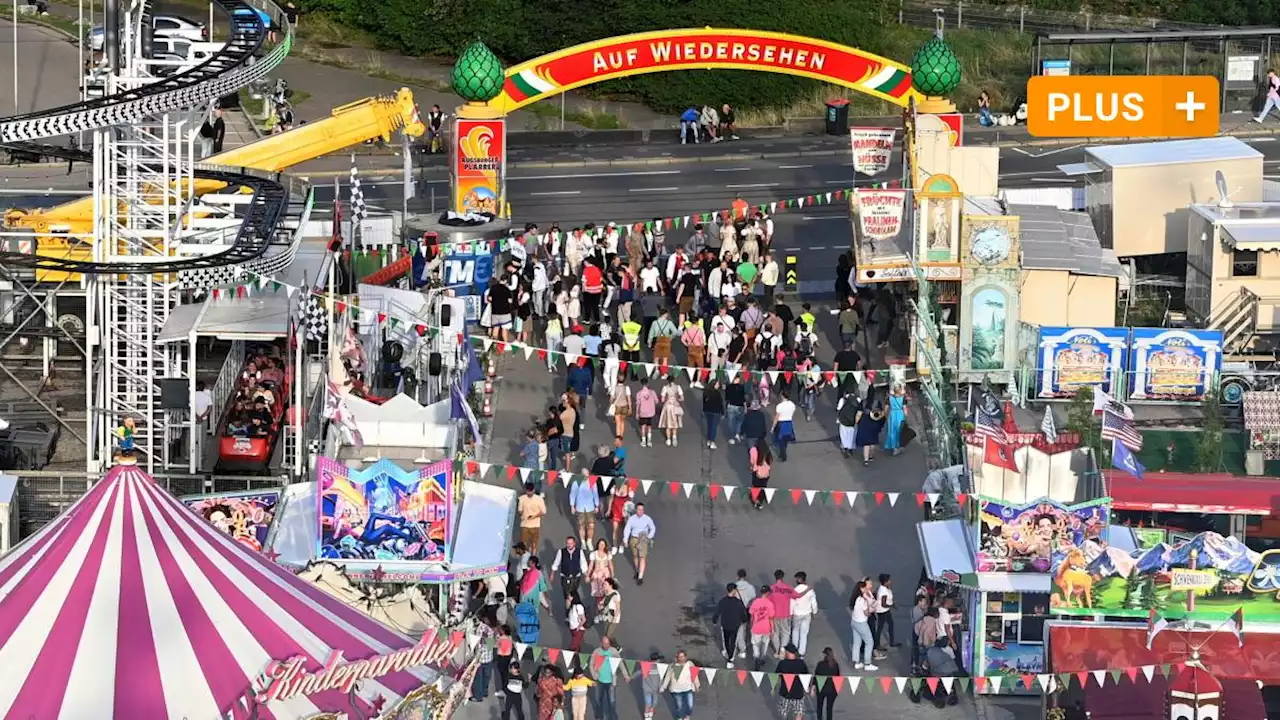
(435, 364)
(173, 394)
(392, 351)
(446, 314)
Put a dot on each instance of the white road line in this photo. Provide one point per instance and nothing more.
(665, 189)
(793, 167)
(575, 176)
(752, 185)
(738, 169)
(840, 182)
(1253, 141)
(818, 247)
(823, 217)
(559, 192)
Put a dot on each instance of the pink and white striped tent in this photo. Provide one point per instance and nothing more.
(131, 606)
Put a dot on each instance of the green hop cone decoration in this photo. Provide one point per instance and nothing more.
(478, 75)
(935, 70)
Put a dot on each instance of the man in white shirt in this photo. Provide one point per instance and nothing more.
(803, 609)
(611, 238)
(783, 431)
(540, 285)
(884, 612)
(769, 278)
(202, 405)
(650, 278)
(723, 318)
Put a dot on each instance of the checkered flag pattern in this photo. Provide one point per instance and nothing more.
(358, 211)
(315, 319)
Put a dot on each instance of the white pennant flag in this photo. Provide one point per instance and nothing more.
(773, 377)
(757, 677)
(473, 639)
(1046, 682)
(686, 221)
(1100, 676)
(731, 372)
(487, 343)
(289, 290)
(728, 492)
(614, 662)
(768, 494)
(809, 495)
(932, 497)
(528, 351)
(800, 202)
(524, 475)
(484, 468)
(1148, 671)
(828, 197)
(646, 484)
(568, 657)
(806, 680)
(565, 478)
(711, 674)
(947, 682)
(520, 650)
(852, 497)
(853, 681)
(893, 498)
(691, 372)
(995, 681)
(607, 481)
(650, 368)
(901, 682)
(662, 669)
(570, 359)
(688, 489)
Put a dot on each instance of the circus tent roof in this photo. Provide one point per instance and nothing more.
(131, 606)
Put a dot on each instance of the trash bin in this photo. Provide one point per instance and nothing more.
(838, 116)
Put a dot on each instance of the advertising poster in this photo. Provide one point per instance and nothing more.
(1073, 358)
(1206, 577)
(246, 517)
(1028, 538)
(468, 268)
(872, 149)
(1169, 364)
(384, 513)
(880, 213)
(478, 159)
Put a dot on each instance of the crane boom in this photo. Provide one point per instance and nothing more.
(347, 125)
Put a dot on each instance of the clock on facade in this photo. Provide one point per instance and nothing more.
(990, 246)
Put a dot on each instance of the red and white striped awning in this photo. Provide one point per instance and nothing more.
(131, 606)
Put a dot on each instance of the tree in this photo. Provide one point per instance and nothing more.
(1209, 441)
(1131, 589)
(1150, 600)
(1081, 419)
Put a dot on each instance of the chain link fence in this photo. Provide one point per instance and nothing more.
(977, 16)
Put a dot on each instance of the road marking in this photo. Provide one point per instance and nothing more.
(574, 176)
(1048, 153)
(1253, 141)
(793, 167)
(559, 192)
(840, 182)
(738, 169)
(665, 189)
(752, 185)
(823, 217)
(818, 247)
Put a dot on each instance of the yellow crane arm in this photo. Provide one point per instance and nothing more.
(347, 125)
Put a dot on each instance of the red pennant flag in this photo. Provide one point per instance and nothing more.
(501, 348)
(382, 317)
(920, 498)
(504, 644)
(633, 484)
(714, 490)
(1083, 677)
(340, 307)
(872, 375)
(553, 654)
(787, 374)
(512, 471)
(473, 467)
(420, 329)
(979, 683)
(838, 680)
(932, 682)
(705, 375)
(1028, 680)
(675, 487)
(746, 376)
(830, 377)
(742, 677)
(961, 498)
(755, 494)
(582, 361)
(542, 354)
(788, 679)
(795, 496)
(667, 223)
(645, 666)
(886, 682)
(879, 498)
(456, 637)
(1132, 672)
(837, 496)
(552, 475)
(622, 366)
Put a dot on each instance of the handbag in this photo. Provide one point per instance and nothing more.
(906, 434)
(605, 616)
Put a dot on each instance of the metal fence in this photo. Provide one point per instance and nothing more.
(43, 495)
(979, 16)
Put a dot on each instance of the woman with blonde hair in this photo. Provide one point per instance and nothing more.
(569, 421)
(672, 417)
(620, 406)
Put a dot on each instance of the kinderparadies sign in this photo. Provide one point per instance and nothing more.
(384, 513)
(1070, 359)
(1222, 573)
(1027, 538)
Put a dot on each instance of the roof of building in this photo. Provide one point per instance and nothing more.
(1213, 493)
(1054, 239)
(1173, 152)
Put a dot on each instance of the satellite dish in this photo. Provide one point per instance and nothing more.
(1224, 197)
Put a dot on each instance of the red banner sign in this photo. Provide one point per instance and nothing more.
(479, 158)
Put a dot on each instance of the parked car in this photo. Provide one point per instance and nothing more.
(161, 26)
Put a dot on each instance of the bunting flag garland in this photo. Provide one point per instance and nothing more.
(714, 491)
(843, 684)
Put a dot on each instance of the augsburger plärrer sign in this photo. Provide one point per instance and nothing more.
(872, 149)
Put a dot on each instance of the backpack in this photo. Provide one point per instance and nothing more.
(789, 362)
(806, 345)
(848, 415)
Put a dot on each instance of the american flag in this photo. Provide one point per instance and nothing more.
(1118, 427)
(985, 425)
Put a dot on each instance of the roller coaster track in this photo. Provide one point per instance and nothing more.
(224, 73)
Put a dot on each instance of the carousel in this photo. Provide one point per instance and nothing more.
(131, 605)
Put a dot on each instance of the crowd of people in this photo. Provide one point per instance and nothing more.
(254, 410)
(709, 123)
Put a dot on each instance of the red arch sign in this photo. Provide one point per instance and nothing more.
(703, 49)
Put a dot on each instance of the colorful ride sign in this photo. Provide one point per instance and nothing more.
(478, 164)
(703, 49)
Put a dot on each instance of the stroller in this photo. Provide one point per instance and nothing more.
(528, 626)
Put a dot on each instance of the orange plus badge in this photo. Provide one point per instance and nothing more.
(1130, 106)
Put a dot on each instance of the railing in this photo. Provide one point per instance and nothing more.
(225, 386)
(979, 16)
(43, 495)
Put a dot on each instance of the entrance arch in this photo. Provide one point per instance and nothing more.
(703, 49)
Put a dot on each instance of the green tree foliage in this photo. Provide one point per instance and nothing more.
(1150, 598)
(519, 30)
(1209, 441)
(1080, 419)
(1213, 12)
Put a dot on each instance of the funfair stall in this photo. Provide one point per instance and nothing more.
(130, 605)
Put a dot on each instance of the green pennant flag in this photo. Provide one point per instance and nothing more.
(275, 286)
(630, 665)
(915, 683)
(824, 497)
(964, 682)
(1164, 669)
(537, 652)
(1065, 679)
(395, 322)
(490, 642)
(823, 681)
(1115, 675)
